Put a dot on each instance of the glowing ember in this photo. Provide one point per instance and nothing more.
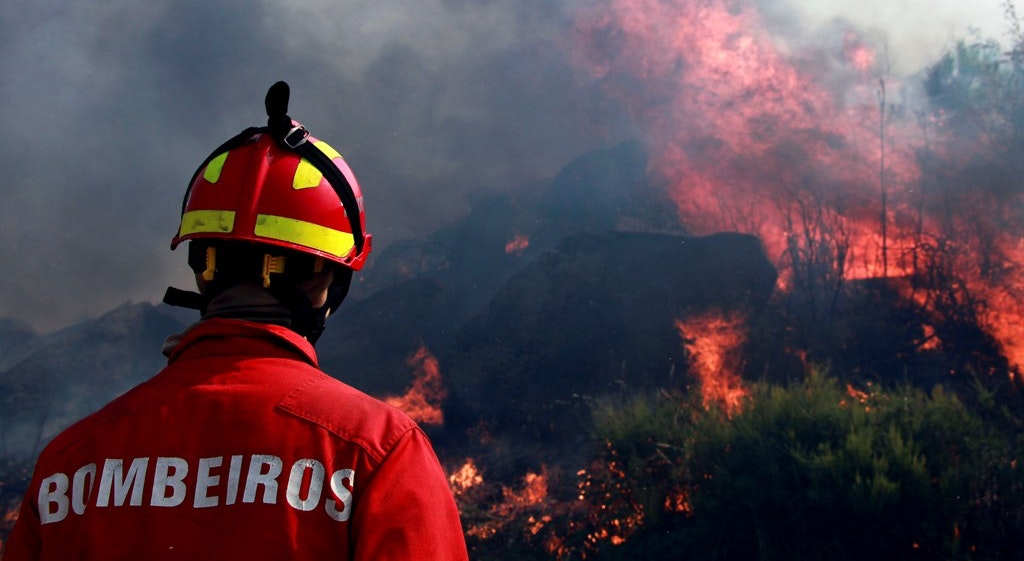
(423, 400)
(930, 341)
(677, 501)
(859, 395)
(10, 516)
(535, 490)
(515, 502)
(712, 341)
(613, 515)
(517, 244)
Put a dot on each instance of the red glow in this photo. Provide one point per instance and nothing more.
(423, 400)
(678, 501)
(514, 501)
(810, 151)
(10, 516)
(616, 522)
(534, 491)
(859, 395)
(712, 341)
(1004, 313)
(736, 128)
(517, 244)
(859, 55)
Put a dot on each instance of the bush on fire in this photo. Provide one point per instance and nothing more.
(815, 471)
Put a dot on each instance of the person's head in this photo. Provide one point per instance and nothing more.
(276, 209)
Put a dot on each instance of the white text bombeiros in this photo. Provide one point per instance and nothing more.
(168, 480)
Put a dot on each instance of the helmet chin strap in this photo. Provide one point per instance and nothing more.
(186, 299)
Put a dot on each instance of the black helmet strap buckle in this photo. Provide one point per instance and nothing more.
(296, 137)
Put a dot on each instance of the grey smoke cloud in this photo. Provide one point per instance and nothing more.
(111, 105)
(914, 31)
(108, 106)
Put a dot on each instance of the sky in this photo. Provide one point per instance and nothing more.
(109, 105)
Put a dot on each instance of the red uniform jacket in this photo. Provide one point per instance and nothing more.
(240, 449)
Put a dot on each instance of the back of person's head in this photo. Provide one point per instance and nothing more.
(268, 213)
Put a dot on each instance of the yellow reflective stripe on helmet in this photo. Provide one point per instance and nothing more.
(306, 175)
(327, 149)
(213, 169)
(307, 234)
(207, 221)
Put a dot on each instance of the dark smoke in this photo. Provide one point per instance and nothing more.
(110, 106)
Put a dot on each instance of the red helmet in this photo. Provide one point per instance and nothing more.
(278, 186)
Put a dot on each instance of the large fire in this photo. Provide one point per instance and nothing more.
(813, 151)
(745, 134)
(423, 400)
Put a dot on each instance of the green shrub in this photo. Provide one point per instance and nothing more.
(815, 471)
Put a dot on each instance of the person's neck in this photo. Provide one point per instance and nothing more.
(249, 302)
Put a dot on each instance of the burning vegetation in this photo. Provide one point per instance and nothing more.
(713, 341)
(844, 172)
(886, 428)
(423, 400)
(826, 366)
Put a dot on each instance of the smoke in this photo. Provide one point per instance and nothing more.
(109, 106)
(913, 31)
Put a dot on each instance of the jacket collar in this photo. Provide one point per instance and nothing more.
(208, 331)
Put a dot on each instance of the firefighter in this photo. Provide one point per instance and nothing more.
(241, 448)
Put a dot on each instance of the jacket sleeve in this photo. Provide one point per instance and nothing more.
(406, 510)
(23, 543)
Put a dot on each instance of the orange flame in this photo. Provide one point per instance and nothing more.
(753, 135)
(739, 130)
(10, 516)
(533, 494)
(465, 477)
(1003, 313)
(423, 400)
(534, 491)
(860, 395)
(678, 501)
(517, 244)
(712, 341)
